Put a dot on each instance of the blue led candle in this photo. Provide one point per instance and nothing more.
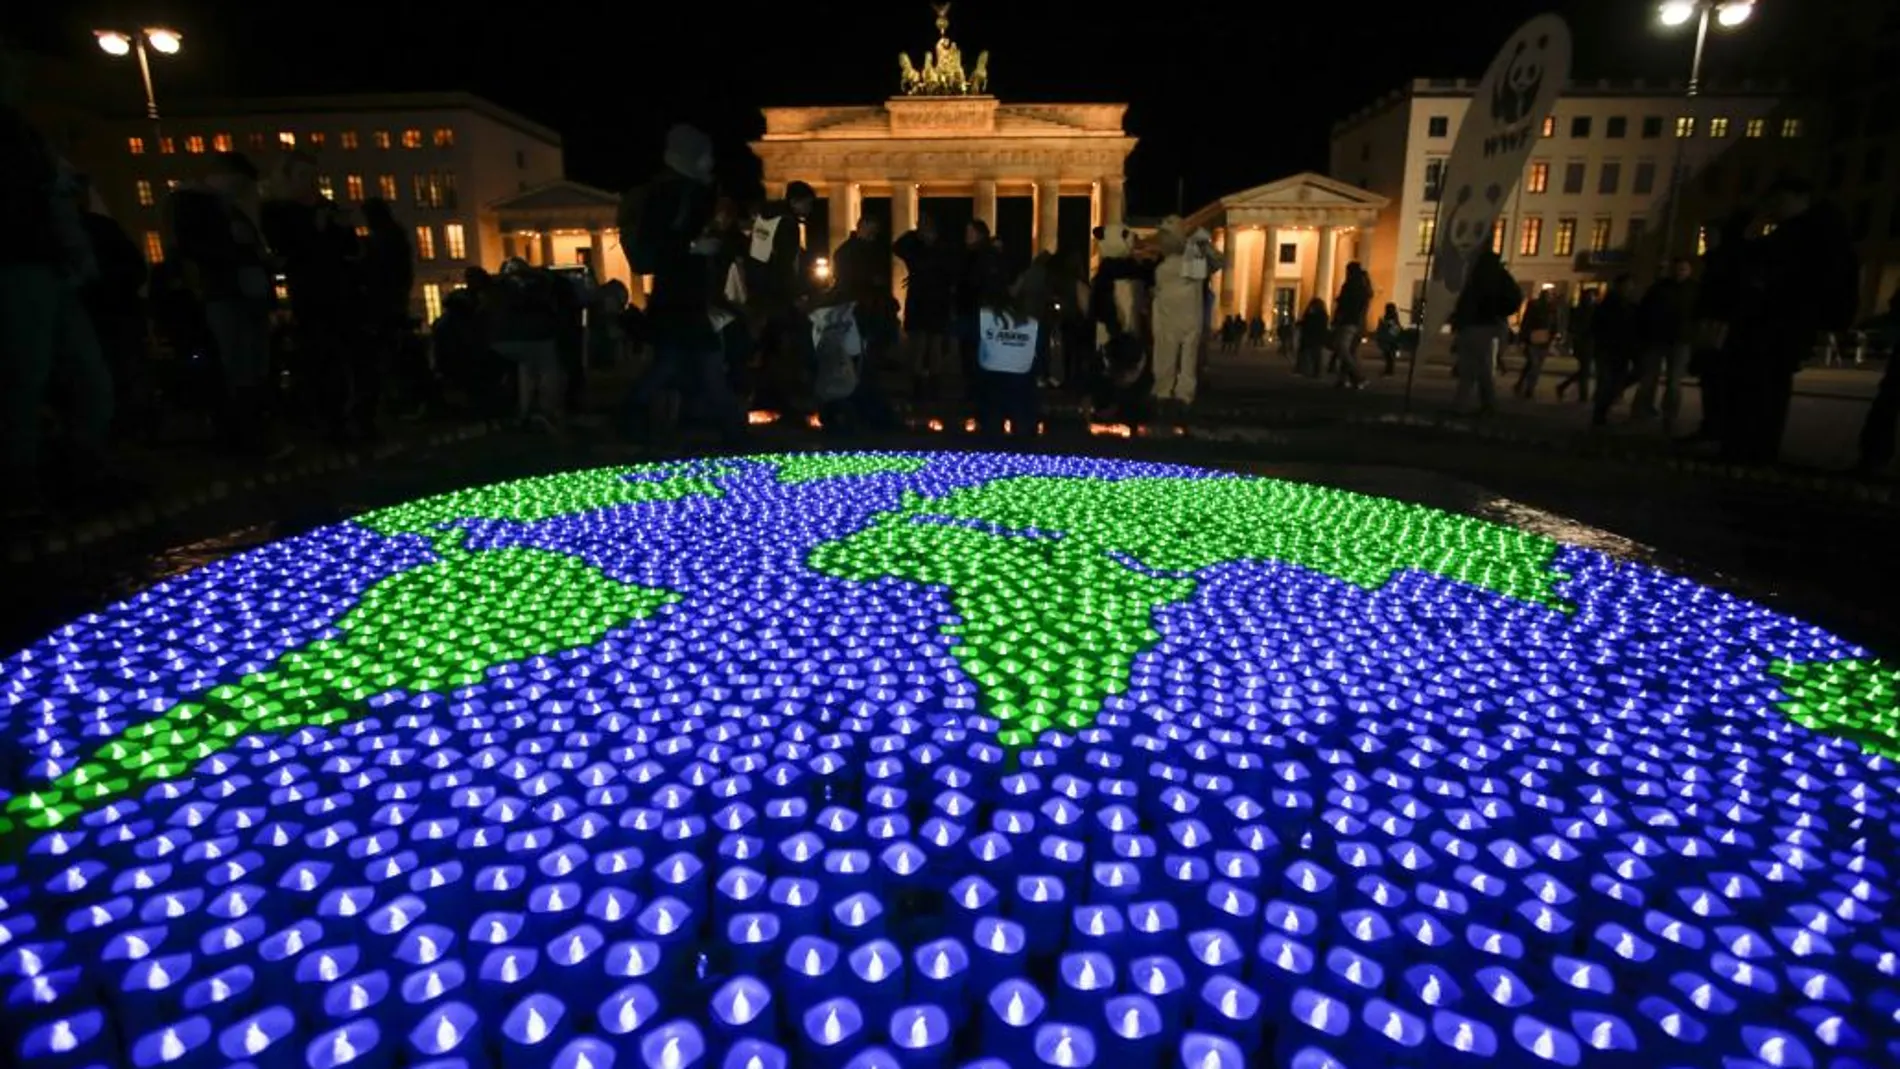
(72, 1040)
(1040, 906)
(150, 992)
(355, 995)
(1547, 1043)
(940, 972)
(357, 1044)
(673, 1045)
(432, 982)
(856, 917)
(1064, 1046)
(506, 973)
(1463, 1035)
(753, 939)
(831, 1031)
(1202, 1051)
(807, 977)
(1013, 1009)
(449, 1030)
(742, 1006)
(876, 979)
(921, 1036)
(738, 890)
(1162, 980)
(1211, 951)
(796, 902)
(585, 1052)
(186, 1044)
(848, 872)
(534, 1028)
(998, 949)
(971, 898)
(571, 963)
(612, 909)
(1154, 927)
(1130, 1036)
(1097, 927)
(1312, 1017)
(1084, 981)
(1225, 1006)
(755, 1054)
(628, 1010)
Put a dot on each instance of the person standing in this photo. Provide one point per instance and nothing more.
(1616, 335)
(929, 307)
(1666, 317)
(1539, 328)
(1717, 303)
(1007, 342)
(318, 250)
(780, 290)
(1583, 346)
(389, 278)
(1480, 323)
(115, 305)
(1188, 260)
(1312, 333)
(1350, 309)
(1387, 336)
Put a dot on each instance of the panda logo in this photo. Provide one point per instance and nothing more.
(1468, 226)
(1516, 91)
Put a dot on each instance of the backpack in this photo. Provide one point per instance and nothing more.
(838, 348)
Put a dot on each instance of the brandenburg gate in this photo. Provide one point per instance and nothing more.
(947, 137)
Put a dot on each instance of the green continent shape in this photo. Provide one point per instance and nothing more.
(430, 629)
(1056, 608)
(531, 500)
(795, 468)
(1855, 699)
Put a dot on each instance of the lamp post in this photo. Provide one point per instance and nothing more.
(1727, 14)
(164, 42)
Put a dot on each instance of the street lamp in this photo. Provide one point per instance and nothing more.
(164, 42)
(1729, 14)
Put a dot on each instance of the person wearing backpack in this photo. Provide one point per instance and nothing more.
(1480, 323)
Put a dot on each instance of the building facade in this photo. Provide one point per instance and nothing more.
(1593, 201)
(442, 161)
(1859, 159)
(1285, 243)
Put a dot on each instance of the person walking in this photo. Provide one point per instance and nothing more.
(1480, 322)
(1583, 346)
(1539, 329)
(1350, 309)
(1665, 317)
(1616, 335)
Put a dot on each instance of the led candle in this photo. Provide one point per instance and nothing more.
(585, 1052)
(357, 1044)
(355, 995)
(807, 976)
(1097, 927)
(1040, 906)
(1225, 1006)
(856, 917)
(1084, 980)
(186, 1044)
(451, 1029)
(570, 964)
(754, 1054)
(506, 973)
(796, 902)
(534, 1028)
(1014, 1008)
(876, 977)
(831, 1030)
(1202, 1051)
(998, 949)
(921, 1035)
(1130, 1035)
(432, 982)
(1547, 1043)
(1064, 1046)
(940, 974)
(753, 940)
(628, 1010)
(673, 1045)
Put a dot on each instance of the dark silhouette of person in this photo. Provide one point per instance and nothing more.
(115, 304)
(318, 250)
(389, 279)
(1878, 432)
(929, 306)
(1718, 299)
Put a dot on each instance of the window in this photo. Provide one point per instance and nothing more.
(456, 241)
(425, 242)
(1617, 126)
(1566, 243)
(256, 140)
(1550, 126)
(1701, 241)
(420, 186)
(412, 139)
(315, 140)
(154, 248)
(347, 139)
(1609, 178)
(1573, 177)
(286, 139)
(1438, 126)
(1499, 230)
(220, 142)
(1791, 127)
(1427, 233)
(1645, 181)
(1753, 128)
(1434, 178)
(135, 145)
(1873, 166)
(353, 186)
(380, 139)
(444, 137)
(326, 187)
(362, 233)
(431, 301)
(171, 185)
(144, 190)
(1685, 126)
(386, 187)
(1539, 178)
(1638, 227)
(1600, 234)
(1289, 253)
(1530, 235)
(448, 189)
(1718, 126)
(1652, 127)
(195, 144)
(1580, 126)
(165, 146)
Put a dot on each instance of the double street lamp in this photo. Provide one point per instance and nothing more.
(164, 42)
(1727, 14)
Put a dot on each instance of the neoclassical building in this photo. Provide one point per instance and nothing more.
(1286, 242)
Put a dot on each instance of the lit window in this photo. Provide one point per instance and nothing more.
(425, 242)
(444, 137)
(1685, 126)
(456, 240)
(1427, 233)
(1539, 180)
(1600, 235)
(286, 139)
(353, 186)
(431, 301)
(1754, 128)
(1718, 127)
(1566, 242)
(380, 139)
(362, 232)
(220, 142)
(144, 188)
(1498, 233)
(171, 185)
(386, 187)
(165, 146)
(1530, 236)
(1767, 229)
(135, 145)
(412, 139)
(347, 139)
(195, 144)
(1701, 241)
(1550, 126)
(325, 187)
(1791, 128)
(316, 139)
(154, 248)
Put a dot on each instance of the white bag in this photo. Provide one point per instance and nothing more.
(764, 232)
(838, 346)
(1008, 347)
(735, 286)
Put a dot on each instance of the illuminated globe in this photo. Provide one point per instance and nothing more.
(869, 760)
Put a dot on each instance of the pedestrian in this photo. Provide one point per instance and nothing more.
(1616, 335)
(1313, 332)
(1665, 318)
(1349, 324)
(1718, 299)
(1583, 346)
(1539, 330)
(1006, 359)
(1187, 261)
(1387, 337)
(929, 308)
(1480, 322)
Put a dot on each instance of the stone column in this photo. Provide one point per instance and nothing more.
(1230, 266)
(841, 205)
(1048, 201)
(1264, 267)
(984, 206)
(596, 254)
(903, 221)
(508, 246)
(1323, 275)
(547, 248)
(1114, 200)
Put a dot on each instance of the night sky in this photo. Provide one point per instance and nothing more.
(1227, 95)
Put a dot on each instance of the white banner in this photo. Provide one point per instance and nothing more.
(1500, 128)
